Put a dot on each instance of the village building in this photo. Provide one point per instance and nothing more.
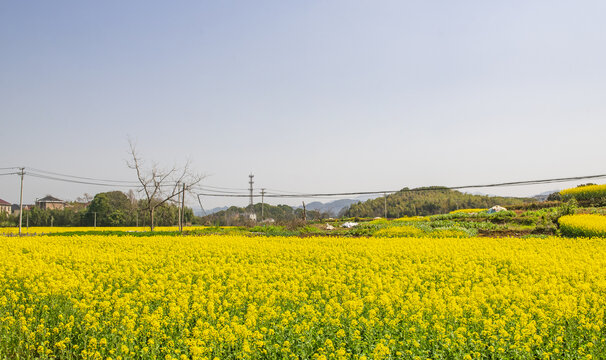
(50, 203)
(5, 207)
(16, 210)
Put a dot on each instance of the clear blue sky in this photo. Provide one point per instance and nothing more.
(311, 96)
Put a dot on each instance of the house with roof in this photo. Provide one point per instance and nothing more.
(16, 208)
(50, 203)
(5, 207)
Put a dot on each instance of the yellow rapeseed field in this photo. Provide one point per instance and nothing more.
(412, 218)
(584, 192)
(398, 231)
(467, 211)
(588, 225)
(237, 297)
(58, 229)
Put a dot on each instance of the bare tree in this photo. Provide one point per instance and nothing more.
(132, 197)
(160, 185)
(85, 198)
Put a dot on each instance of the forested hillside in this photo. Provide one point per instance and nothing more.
(427, 201)
(240, 216)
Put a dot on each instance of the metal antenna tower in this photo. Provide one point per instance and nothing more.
(251, 176)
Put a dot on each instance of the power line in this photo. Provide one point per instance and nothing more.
(89, 180)
(201, 207)
(83, 178)
(224, 188)
(230, 195)
(282, 191)
(41, 176)
(437, 188)
(134, 185)
(218, 191)
(308, 196)
(303, 196)
(203, 188)
(331, 194)
(531, 182)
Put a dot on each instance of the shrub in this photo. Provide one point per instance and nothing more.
(501, 216)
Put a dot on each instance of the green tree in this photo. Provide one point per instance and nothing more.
(98, 210)
(427, 201)
(111, 208)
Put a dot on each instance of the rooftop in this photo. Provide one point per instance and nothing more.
(49, 198)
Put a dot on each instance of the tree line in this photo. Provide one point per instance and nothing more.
(278, 213)
(427, 201)
(113, 208)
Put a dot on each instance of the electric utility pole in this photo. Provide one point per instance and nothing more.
(262, 202)
(95, 223)
(183, 208)
(179, 210)
(251, 176)
(22, 173)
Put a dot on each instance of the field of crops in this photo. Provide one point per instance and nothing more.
(57, 229)
(236, 297)
(588, 225)
(584, 192)
(467, 211)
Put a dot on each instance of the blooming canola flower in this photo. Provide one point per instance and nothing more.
(207, 297)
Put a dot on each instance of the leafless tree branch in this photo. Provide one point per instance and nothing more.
(161, 186)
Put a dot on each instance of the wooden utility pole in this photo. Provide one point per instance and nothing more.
(262, 202)
(179, 211)
(22, 173)
(304, 214)
(183, 208)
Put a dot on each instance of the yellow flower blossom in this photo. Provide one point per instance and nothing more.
(206, 297)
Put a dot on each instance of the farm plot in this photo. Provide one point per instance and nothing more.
(237, 297)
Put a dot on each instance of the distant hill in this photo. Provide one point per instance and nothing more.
(239, 216)
(428, 201)
(336, 208)
(544, 195)
(199, 212)
(538, 197)
(333, 208)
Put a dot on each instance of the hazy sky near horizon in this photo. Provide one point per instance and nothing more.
(310, 96)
